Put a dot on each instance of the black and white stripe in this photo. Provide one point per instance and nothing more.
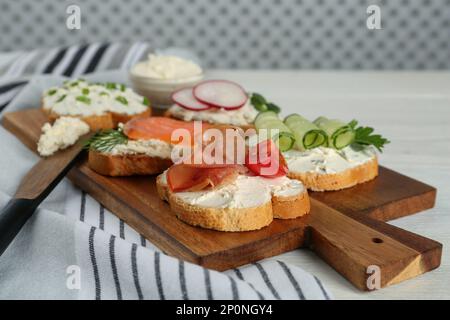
(135, 271)
(96, 59)
(322, 288)
(209, 293)
(294, 282)
(94, 263)
(267, 281)
(112, 257)
(158, 276)
(9, 91)
(69, 70)
(182, 278)
(55, 61)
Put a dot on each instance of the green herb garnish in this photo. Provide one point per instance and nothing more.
(74, 84)
(122, 100)
(62, 98)
(111, 86)
(85, 91)
(83, 99)
(261, 104)
(103, 93)
(51, 92)
(364, 137)
(146, 102)
(273, 107)
(123, 87)
(106, 140)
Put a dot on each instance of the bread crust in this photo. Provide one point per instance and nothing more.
(338, 181)
(126, 165)
(168, 114)
(235, 219)
(291, 207)
(109, 120)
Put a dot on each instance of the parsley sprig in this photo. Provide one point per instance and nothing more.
(364, 136)
(261, 104)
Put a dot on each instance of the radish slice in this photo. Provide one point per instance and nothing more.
(221, 94)
(185, 98)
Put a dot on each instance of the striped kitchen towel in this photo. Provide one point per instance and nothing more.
(74, 248)
(72, 61)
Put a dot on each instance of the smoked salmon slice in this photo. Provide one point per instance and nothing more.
(189, 178)
(160, 128)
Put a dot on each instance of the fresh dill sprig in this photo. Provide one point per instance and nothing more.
(106, 140)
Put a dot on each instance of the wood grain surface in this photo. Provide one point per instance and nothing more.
(341, 227)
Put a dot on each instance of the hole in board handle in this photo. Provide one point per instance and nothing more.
(377, 240)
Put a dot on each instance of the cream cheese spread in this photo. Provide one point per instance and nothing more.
(80, 98)
(244, 192)
(327, 160)
(239, 117)
(61, 135)
(166, 67)
(151, 148)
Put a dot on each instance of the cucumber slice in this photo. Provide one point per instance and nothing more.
(263, 116)
(340, 134)
(277, 130)
(284, 140)
(307, 134)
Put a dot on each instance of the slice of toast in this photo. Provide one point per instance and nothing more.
(338, 181)
(233, 219)
(126, 165)
(108, 120)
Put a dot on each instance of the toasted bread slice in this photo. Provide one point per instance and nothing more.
(338, 181)
(233, 219)
(126, 165)
(108, 120)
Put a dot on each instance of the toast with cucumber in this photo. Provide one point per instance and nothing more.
(325, 154)
(101, 106)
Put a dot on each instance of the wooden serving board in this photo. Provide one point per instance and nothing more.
(345, 228)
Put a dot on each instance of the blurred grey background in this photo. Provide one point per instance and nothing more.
(303, 34)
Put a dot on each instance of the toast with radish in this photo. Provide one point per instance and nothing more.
(218, 102)
(101, 106)
(326, 155)
(234, 197)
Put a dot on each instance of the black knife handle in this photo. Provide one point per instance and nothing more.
(12, 218)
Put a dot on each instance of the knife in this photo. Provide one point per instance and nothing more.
(34, 188)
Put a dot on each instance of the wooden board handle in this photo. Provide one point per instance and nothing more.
(369, 253)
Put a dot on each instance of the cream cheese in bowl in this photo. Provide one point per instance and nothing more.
(161, 75)
(166, 67)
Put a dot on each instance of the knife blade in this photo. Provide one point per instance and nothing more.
(36, 185)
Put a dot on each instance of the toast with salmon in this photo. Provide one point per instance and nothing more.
(261, 206)
(101, 106)
(142, 146)
(233, 197)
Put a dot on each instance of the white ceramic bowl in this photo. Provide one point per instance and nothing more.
(159, 91)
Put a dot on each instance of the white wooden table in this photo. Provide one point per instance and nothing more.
(412, 109)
